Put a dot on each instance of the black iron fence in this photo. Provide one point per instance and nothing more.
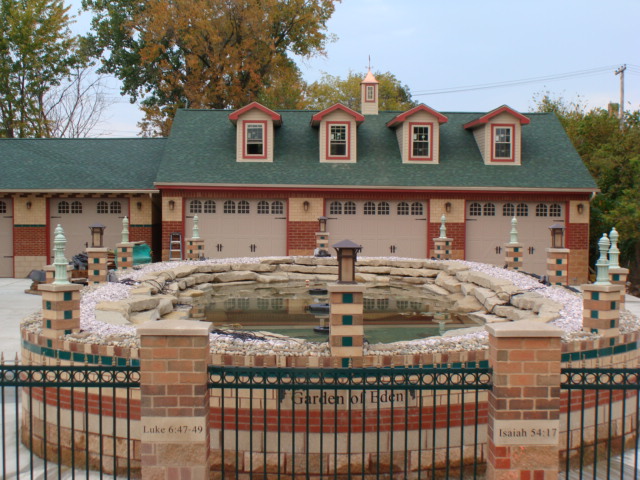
(67, 421)
(600, 415)
(348, 423)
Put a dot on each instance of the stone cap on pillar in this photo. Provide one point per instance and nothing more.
(345, 288)
(175, 328)
(556, 250)
(60, 287)
(523, 328)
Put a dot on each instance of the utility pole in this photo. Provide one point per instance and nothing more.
(620, 71)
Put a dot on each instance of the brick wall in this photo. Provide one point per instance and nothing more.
(455, 231)
(30, 240)
(301, 236)
(167, 229)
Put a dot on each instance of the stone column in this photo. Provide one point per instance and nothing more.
(442, 244)
(513, 249)
(195, 244)
(346, 323)
(124, 249)
(322, 241)
(601, 300)
(617, 274)
(50, 273)
(60, 298)
(174, 412)
(524, 404)
(558, 266)
(97, 269)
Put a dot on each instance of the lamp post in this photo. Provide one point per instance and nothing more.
(347, 257)
(97, 235)
(557, 235)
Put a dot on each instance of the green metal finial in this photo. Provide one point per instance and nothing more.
(614, 252)
(125, 230)
(443, 227)
(59, 262)
(602, 265)
(196, 230)
(514, 231)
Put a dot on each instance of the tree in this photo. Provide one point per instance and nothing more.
(331, 90)
(37, 51)
(203, 53)
(613, 158)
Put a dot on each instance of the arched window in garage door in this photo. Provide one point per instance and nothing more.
(277, 208)
(195, 206)
(209, 206)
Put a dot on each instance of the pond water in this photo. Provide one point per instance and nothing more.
(391, 313)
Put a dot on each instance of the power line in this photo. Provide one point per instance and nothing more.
(524, 81)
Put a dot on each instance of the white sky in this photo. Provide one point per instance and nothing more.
(434, 45)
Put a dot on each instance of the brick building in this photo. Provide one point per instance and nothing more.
(259, 179)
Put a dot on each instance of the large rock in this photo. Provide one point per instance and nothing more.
(488, 281)
(315, 261)
(376, 270)
(488, 298)
(274, 278)
(448, 282)
(254, 267)
(165, 306)
(144, 317)
(138, 303)
(114, 317)
(436, 289)
(202, 278)
(452, 268)
(184, 270)
(513, 313)
(467, 304)
(276, 260)
(214, 268)
(413, 272)
(235, 276)
(482, 317)
(319, 270)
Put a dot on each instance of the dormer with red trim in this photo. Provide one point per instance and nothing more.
(418, 133)
(254, 133)
(338, 133)
(499, 136)
(369, 95)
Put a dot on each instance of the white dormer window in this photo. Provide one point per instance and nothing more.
(338, 140)
(254, 145)
(420, 141)
(502, 142)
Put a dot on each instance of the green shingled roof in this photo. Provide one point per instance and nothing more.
(79, 164)
(201, 150)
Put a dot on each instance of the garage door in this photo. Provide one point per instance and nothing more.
(76, 214)
(488, 225)
(6, 238)
(383, 228)
(239, 228)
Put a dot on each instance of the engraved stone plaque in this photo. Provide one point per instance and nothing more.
(173, 430)
(526, 432)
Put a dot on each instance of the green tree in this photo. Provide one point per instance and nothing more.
(329, 90)
(204, 53)
(612, 155)
(37, 51)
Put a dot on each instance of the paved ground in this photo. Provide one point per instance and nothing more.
(14, 306)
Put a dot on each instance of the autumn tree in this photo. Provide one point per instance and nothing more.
(329, 90)
(205, 53)
(37, 51)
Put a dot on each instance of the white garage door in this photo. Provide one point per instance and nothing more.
(6, 238)
(239, 228)
(383, 228)
(76, 214)
(488, 225)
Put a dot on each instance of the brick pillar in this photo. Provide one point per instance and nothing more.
(50, 273)
(618, 276)
(558, 266)
(346, 323)
(513, 255)
(601, 309)
(524, 404)
(97, 265)
(174, 412)
(195, 248)
(124, 255)
(442, 248)
(60, 309)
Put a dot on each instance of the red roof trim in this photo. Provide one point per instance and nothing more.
(317, 118)
(420, 108)
(276, 117)
(485, 118)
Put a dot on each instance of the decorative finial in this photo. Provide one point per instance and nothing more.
(602, 265)
(125, 230)
(59, 262)
(514, 231)
(443, 226)
(614, 252)
(196, 230)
